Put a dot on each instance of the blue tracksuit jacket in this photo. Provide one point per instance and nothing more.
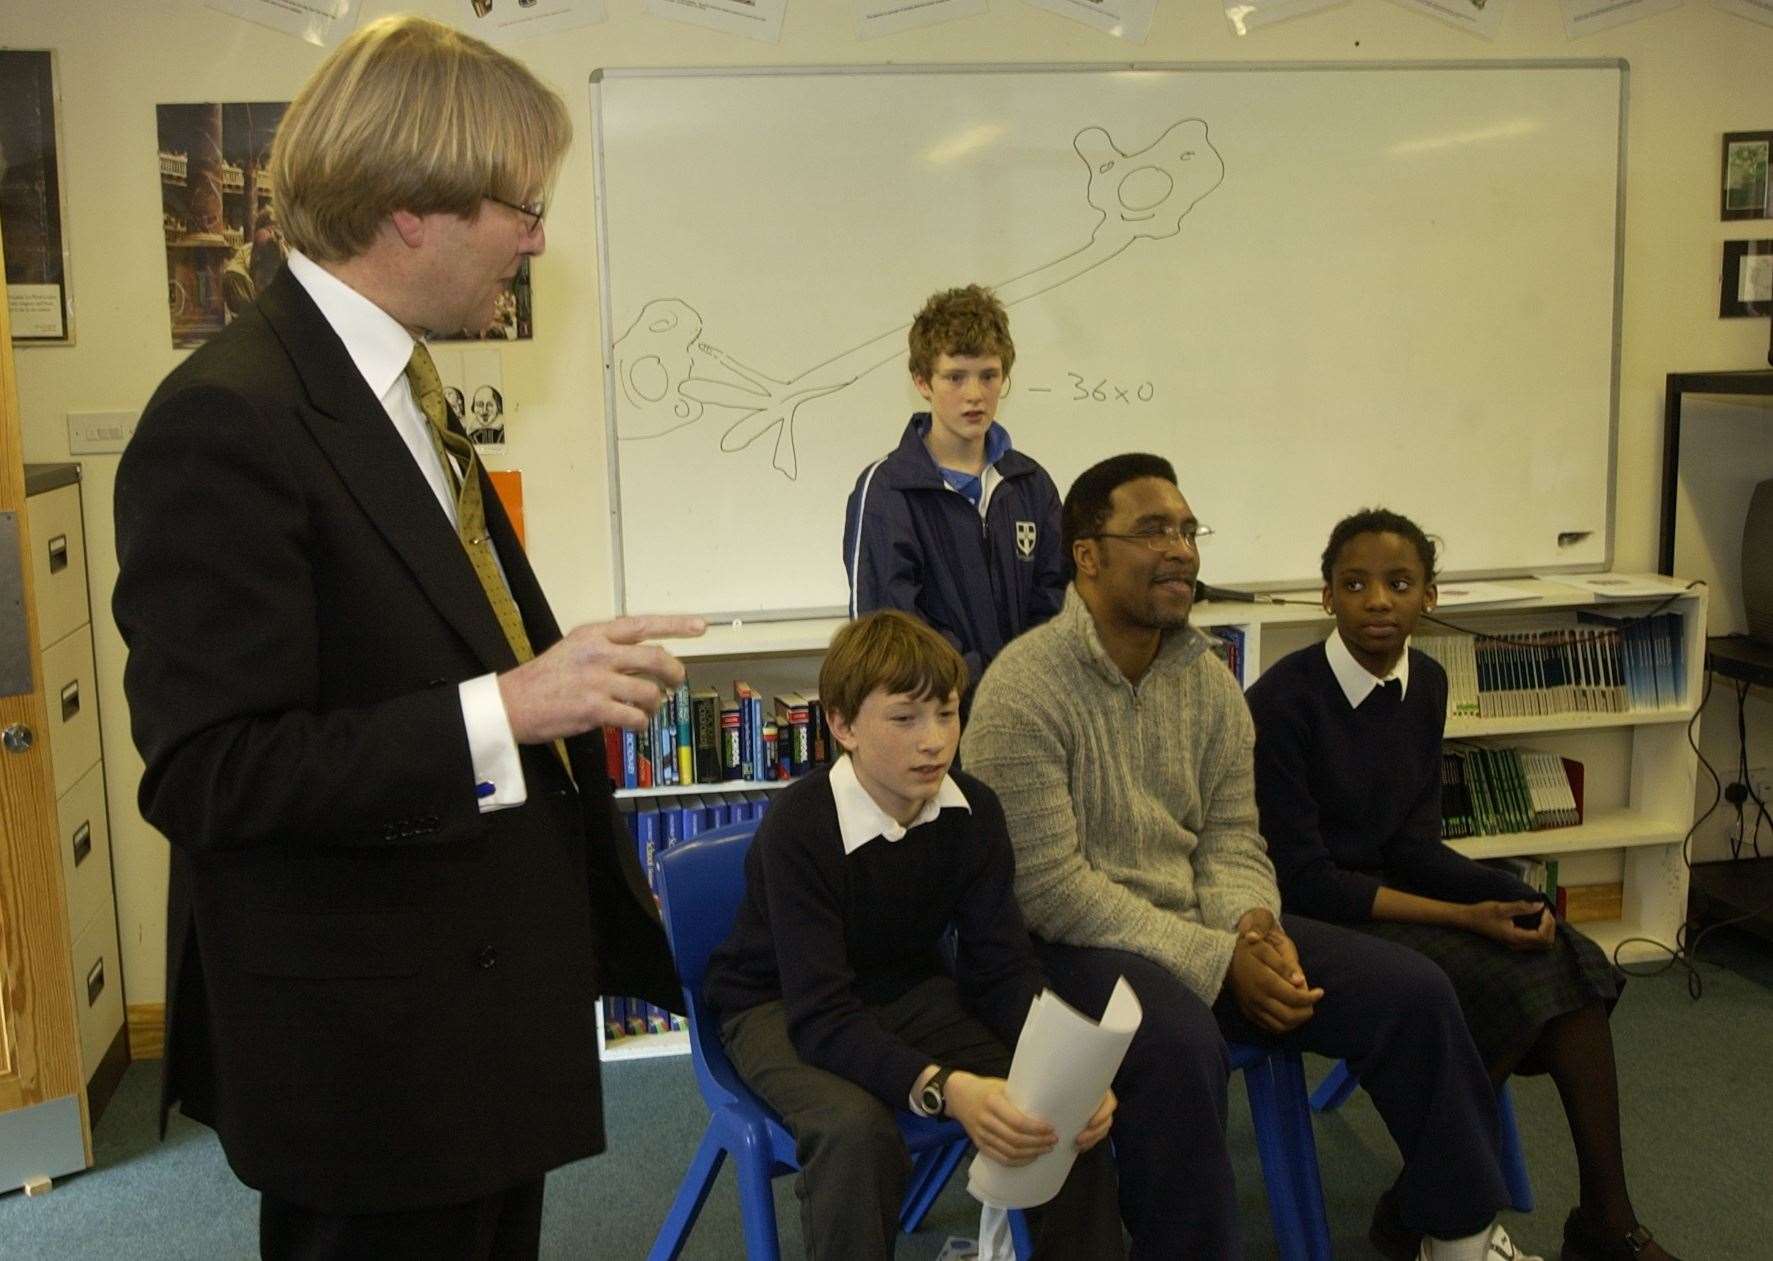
(911, 542)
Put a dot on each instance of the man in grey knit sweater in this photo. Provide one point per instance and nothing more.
(1122, 751)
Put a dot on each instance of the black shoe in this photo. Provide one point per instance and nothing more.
(1390, 1238)
(1583, 1242)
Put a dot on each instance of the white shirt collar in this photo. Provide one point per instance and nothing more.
(860, 818)
(1357, 682)
(376, 342)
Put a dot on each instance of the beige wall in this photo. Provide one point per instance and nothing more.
(1696, 73)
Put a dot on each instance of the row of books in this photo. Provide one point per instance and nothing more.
(1604, 664)
(656, 823)
(701, 737)
(1489, 791)
(1229, 647)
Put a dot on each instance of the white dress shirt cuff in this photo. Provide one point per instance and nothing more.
(498, 771)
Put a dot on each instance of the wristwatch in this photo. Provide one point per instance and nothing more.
(932, 1096)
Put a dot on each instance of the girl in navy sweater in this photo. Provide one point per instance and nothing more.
(1348, 783)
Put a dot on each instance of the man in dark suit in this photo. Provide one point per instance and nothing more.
(398, 882)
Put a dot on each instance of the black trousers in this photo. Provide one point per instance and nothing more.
(1390, 1012)
(502, 1227)
(853, 1163)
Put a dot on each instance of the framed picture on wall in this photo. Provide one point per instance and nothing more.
(1747, 287)
(1745, 184)
(31, 200)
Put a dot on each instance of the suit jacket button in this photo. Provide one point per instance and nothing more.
(487, 956)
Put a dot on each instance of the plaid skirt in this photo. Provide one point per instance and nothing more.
(1508, 996)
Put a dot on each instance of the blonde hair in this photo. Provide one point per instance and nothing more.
(890, 651)
(969, 321)
(409, 114)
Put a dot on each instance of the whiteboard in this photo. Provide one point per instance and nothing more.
(1313, 288)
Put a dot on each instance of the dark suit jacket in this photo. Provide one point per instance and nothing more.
(378, 996)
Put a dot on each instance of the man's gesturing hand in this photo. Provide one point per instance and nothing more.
(602, 674)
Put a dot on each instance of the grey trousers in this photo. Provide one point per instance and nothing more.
(853, 1163)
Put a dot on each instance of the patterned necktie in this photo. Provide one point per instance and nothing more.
(427, 389)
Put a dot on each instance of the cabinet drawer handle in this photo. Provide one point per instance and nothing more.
(95, 982)
(70, 700)
(82, 841)
(58, 553)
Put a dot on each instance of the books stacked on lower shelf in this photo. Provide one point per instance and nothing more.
(656, 823)
(1491, 791)
(701, 737)
(1575, 903)
(1539, 874)
(1602, 663)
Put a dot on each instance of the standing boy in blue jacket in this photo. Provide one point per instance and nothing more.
(953, 526)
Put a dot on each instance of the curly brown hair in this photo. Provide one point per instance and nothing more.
(969, 321)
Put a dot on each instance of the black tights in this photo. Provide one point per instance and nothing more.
(1576, 1049)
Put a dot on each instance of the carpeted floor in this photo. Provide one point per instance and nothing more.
(1697, 1079)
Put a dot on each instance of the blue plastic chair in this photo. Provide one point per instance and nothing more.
(1275, 1083)
(1334, 1090)
(701, 883)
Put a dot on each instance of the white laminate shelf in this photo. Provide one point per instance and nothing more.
(1602, 829)
(1477, 728)
(647, 1046)
(719, 786)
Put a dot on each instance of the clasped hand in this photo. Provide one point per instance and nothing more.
(603, 674)
(1265, 977)
(1003, 1131)
(1495, 920)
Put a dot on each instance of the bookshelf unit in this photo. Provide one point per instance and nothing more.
(1640, 771)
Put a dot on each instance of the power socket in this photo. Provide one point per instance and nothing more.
(100, 433)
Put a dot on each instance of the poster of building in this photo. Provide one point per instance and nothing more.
(31, 200)
(218, 211)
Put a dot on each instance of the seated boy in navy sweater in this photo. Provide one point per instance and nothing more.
(954, 526)
(836, 1002)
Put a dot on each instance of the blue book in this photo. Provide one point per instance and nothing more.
(647, 842)
(630, 760)
(694, 817)
(615, 1017)
(670, 823)
(760, 801)
(720, 810)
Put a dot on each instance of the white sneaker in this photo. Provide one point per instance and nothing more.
(1487, 1245)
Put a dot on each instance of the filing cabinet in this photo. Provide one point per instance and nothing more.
(70, 693)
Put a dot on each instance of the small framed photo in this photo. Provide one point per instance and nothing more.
(1745, 183)
(1747, 288)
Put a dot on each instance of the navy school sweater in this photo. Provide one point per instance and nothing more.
(832, 934)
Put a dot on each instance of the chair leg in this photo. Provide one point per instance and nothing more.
(1514, 1159)
(928, 1178)
(1284, 1141)
(686, 1206)
(1334, 1090)
(757, 1203)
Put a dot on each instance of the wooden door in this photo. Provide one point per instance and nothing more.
(44, 1130)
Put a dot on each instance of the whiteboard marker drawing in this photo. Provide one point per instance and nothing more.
(666, 371)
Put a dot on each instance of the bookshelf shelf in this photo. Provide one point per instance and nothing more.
(1640, 770)
(1603, 829)
(646, 1046)
(1484, 728)
(719, 786)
